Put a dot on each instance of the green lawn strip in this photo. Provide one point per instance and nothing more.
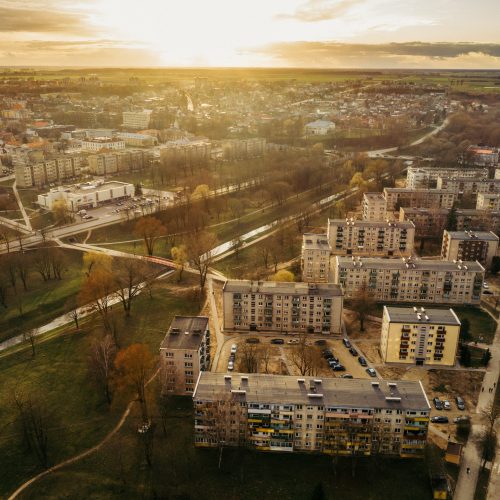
(59, 376)
(179, 470)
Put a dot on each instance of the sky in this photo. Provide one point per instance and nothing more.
(257, 33)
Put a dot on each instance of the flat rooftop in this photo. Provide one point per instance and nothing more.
(185, 332)
(366, 223)
(315, 241)
(336, 392)
(374, 196)
(273, 287)
(419, 190)
(402, 264)
(409, 315)
(472, 235)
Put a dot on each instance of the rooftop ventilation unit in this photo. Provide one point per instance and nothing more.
(313, 395)
(317, 381)
(375, 384)
(238, 391)
(415, 309)
(392, 384)
(301, 380)
(244, 378)
(427, 318)
(227, 377)
(392, 398)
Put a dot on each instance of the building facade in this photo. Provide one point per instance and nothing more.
(418, 198)
(99, 143)
(184, 353)
(129, 160)
(488, 201)
(468, 186)
(319, 127)
(355, 237)
(426, 177)
(315, 258)
(282, 307)
(374, 207)
(409, 280)
(470, 245)
(59, 169)
(419, 336)
(333, 416)
(138, 120)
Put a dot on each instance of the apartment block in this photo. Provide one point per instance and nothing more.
(138, 120)
(109, 163)
(488, 201)
(410, 280)
(184, 151)
(467, 186)
(282, 307)
(332, 416)
(244, 148)
(42, 173)
(360, 237)
(470, 245)
(374, 207)
(99, 143)
(184, 354)
(426, 177)
(418, 336)
(418, 198)
(482, 155)
(315, 258)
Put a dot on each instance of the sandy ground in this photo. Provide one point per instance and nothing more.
(372, 328)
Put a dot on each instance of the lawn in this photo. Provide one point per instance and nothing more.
(179, 471)
(59, 377)
(43, 301)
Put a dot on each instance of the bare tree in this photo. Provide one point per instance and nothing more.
(102, 356)
(30, 336)
(363, 303)
(265, 357)
(249, 358)
(73, 311)
(306, 358)
(200, 248)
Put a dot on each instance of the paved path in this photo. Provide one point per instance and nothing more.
(466, 484)
(215, 320)
(21, 207)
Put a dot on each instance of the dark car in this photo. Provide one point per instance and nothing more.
(362, 361)
(338, 368)
(353, 351)
(277, 341)
(371, 372)
(320, 342)
(439, 419)
(252, 341)
(460, 403)
(346, 342)
(437, 404)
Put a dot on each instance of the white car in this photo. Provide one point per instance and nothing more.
(485, 285)
(446, 405)
(234, 348)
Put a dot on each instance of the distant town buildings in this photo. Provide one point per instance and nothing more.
(319, 127)
(184, 353)
(418, 336)
(333, 416)
(410, 280)
(470, 246)
(282, 306)
(138, 120)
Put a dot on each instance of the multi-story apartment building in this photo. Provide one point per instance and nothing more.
(360, 237)
(409, 280)
(418, 198)
(488, 201)
(87, 195)
(315, 258)
(185, 151)
(333, 416)
(470, 245)
(482, 155)
(99, 143)
(432, 221)
(244, 148)
(61, 168)
(374, 207)
(184, 353)
(119, 161)
(282, 307)
(137, 140)
(138, 120)
(426, 177)
(419, 336)
(468, 186)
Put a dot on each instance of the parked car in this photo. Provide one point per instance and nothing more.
(252, 340)
(437, 404)
(277, 341)
(353, 351)
(371, 372)
(439, 419)
(346, 342)
(333, 361)
(234, 348)
(362, 361)
(293, 341)
(460, 403)
(485, 285)
(347, 375)
(462, 418)
(338, 368)
(446, 405)
(320, 342)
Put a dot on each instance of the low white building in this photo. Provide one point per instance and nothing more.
(320, 127)
(99, 143)
(87, 195)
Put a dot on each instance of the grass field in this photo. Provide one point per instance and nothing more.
(182, 472)
(59, 377)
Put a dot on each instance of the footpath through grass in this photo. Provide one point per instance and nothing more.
(60, 379)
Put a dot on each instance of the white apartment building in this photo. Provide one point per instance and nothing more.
(426, 177)
(470, 245)
(410, 280)
(418, 336)
(374, 207)
(282, 307)
(315, 258)
(119, 161)
(42, 173)
(99, 143)
(136, 119)
(488, 201)
(87, 195)
(468, 186)
(319, 127)
(184, 353)
(418, 198)
(360, 237)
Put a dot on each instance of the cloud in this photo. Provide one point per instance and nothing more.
(314, 11)
(38, 21)
(328, 54)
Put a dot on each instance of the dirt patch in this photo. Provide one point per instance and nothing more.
(370, 350)
(372, 328)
